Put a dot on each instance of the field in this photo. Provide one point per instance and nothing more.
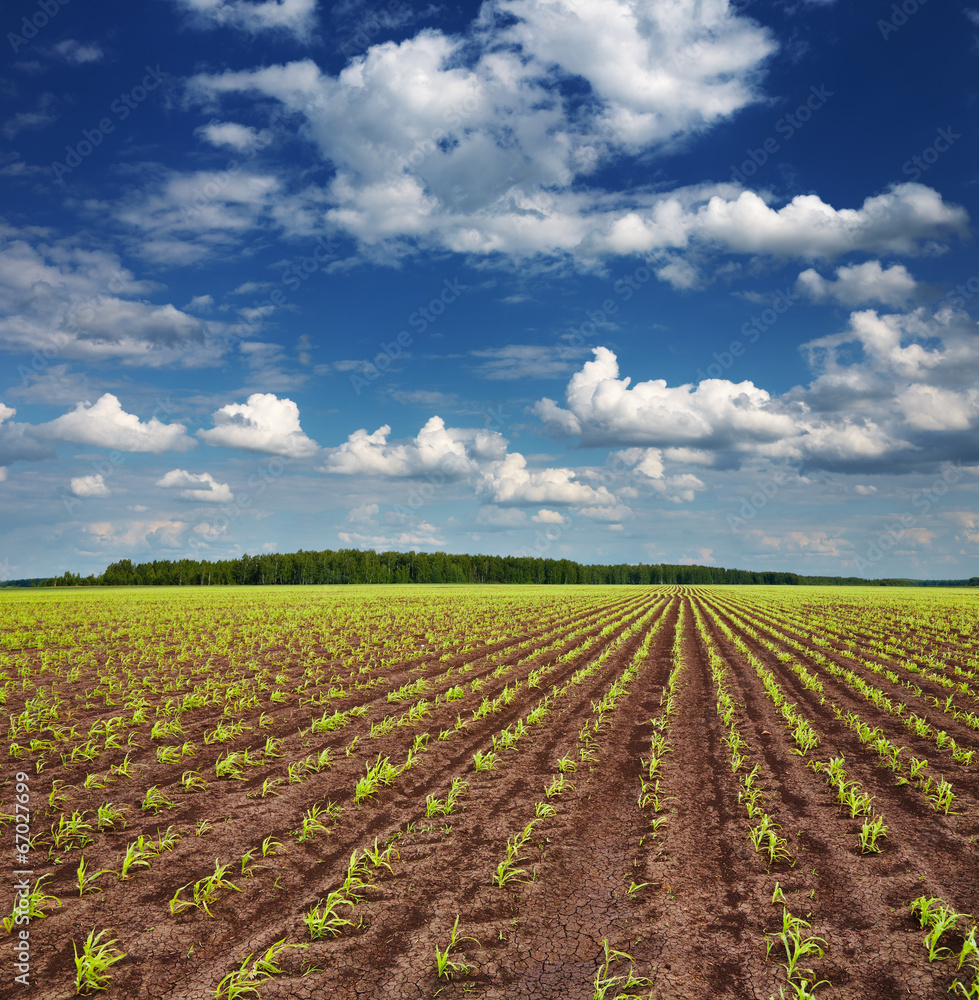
(549, 793)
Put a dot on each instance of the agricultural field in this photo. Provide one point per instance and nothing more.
(557, 793)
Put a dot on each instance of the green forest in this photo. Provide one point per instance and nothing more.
(346, 566)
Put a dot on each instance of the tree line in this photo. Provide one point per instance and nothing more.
(360, 566)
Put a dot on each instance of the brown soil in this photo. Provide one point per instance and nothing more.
(697, 930)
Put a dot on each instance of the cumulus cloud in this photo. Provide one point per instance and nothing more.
(363, 514)
(450, 451)
(296, 17)
(891, 393)
(89, 486)
(860, 284)
(650, 469)
(602, 409)
(441, 454)
(105, 424)
(545, 516)
(473, 148)
(201, 486)
(264, 423)
(511, 482)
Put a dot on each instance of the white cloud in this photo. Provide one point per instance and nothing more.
(126, 536)
(60, 297)
(254, 16)
(3, 473)
(196, 486)
(264, 423)
(421, 534)
(363, 514)
(186, 217)
(545, 516)
(441, 454)
(603, 409)
(510, 482)
(201, 303)
(452, 452)
(517, 361)
(616, 514)
(77, 53)
(209, 532)
(106, 425)
(89, 486)
(472, 148)
(898, 221)
(648, 463)
(481, 154)
(241, 138)
(492, 516)
(891, 393)
(860, 284)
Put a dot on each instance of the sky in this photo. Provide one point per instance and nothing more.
(682, 281)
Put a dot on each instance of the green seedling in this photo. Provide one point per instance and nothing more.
(506, 872)
(71, 832)
(558, 786)
(324, 919)
(270, 846)
(870, 833)
(379, 858)
(31, 905)
(445, 966)
(796, 942)
(85, 881)
(93, 964)
(206, 892)
(193, 781)
(156, 799)
(619, 984)
(109, 816)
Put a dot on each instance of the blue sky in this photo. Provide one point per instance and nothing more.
(614, 280)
